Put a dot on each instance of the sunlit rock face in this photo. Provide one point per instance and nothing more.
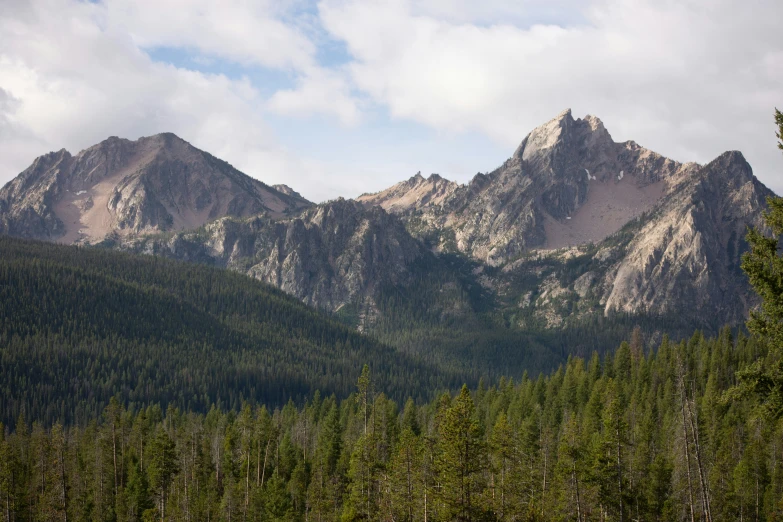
(567, 183)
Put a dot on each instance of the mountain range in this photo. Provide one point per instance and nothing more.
(573, 229)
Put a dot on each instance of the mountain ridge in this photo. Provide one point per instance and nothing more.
(572, 226)
(119, 186)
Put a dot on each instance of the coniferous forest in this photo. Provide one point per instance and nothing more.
(80, 325)
(634, 436)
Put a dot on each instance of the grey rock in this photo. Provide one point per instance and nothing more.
(523, 204)
(332, 254)
(122, 187)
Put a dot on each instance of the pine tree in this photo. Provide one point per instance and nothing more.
(763, 265)
(410, 417)
(277, 501)
(359, 503)
(323, 491)
(507, 479)
(462, 459)
(608, 471)
(163, 464)
(570, 469)
(56, 493)
(137, 492)
(6, 475)
(406, 480)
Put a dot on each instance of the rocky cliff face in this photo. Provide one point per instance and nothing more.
(416, 193)
(567, 183)
(574, 224)
(686, 258)
(122, 187)
(330, 255)
(680, 261)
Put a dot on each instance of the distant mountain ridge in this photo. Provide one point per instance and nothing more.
(328, 256)
(568, 190)
(572, 228)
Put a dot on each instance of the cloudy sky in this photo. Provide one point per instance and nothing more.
(340, 97)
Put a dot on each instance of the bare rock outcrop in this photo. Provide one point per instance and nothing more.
(686, 258)
(330, 255)
(563, 168)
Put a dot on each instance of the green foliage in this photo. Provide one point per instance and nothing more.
(79, 325)
(631, 436)
(763, 264)
(461, 459)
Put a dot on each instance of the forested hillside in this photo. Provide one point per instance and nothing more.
(79, 325)
(634, 436)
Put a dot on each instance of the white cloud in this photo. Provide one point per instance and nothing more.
(319, 92)
(245, 32)
(689, 79)
(69, 79)
(263, 33)
(517, 12)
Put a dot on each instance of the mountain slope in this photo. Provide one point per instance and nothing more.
(361, 264)
(687, 256)
(679, 262)
(660, 237)
(122, 187)
(78, 325)
(567, 183)
(573, 229)
(414, 194)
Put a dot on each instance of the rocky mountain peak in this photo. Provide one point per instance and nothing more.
(285, 189)
(572, 223)
(119, 186)
(733, 165)
(568, 183)
(411, 194)
(545, 137)
(563, 133)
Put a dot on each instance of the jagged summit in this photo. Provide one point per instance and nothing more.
(561, 132)
(415, 192)
(568, 183)
(119, 186)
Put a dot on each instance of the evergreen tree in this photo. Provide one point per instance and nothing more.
(163, 464)
(277, 501)
(505, 477)
(763, 265)
(360, 502)
(406, 480)
(461, 459)
(137, 492)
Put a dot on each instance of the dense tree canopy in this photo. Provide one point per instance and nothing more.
(633, 436)
(79, 325)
